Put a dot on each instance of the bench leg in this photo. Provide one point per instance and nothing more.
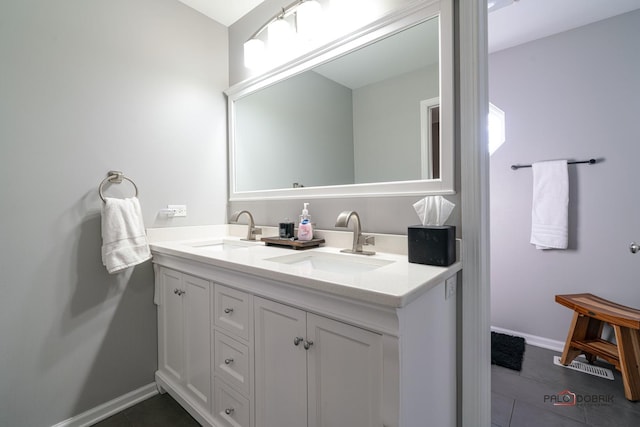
(628, 342)
(582, 328)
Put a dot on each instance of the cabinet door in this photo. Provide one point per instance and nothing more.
(280, 366)
(170, 337)
(197, 336)
(344, 368)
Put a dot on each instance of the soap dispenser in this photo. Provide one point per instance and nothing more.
(305, 231)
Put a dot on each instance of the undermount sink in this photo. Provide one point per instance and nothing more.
(333, 263)
(222, 245)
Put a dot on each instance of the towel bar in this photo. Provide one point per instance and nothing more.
(115, 177)
(590, 161)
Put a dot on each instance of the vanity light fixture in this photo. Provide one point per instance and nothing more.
(299, 22)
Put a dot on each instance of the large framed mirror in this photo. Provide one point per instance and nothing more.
(370, 115)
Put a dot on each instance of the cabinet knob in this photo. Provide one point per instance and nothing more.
(176, 291)
(297, 340)
(308, 344)
(228, 310)
(634, 247)
(229, 411)
(228, 361)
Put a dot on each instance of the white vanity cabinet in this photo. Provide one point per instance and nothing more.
(184, 334)
(242, 349)
(314, 371)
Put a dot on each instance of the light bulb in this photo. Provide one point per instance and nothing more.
(280, 39)
(254, 53)
(279, 32)
(308, 19)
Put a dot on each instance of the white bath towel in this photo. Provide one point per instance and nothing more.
(549, 213)
(124, 241)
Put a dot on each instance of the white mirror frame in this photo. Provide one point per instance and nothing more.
(390, 24)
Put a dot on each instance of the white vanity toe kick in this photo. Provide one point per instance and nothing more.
(385, 279)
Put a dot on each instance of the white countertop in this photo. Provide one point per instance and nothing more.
(394, 284)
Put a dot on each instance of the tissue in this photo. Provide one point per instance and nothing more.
(432, 242)
(433, 210)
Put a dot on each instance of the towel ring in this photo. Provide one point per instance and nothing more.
(115, 177)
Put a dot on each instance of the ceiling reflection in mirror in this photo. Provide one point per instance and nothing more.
(354, 120)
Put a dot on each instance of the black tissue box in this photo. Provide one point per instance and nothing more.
(432, 244)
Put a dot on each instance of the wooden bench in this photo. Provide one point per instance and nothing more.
(590, 314)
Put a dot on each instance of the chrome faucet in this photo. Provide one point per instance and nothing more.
(359, 239)
(252, 231)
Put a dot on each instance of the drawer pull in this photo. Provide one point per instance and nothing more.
(229, 411)
(297, 341)
(228, 310)
(228, 361)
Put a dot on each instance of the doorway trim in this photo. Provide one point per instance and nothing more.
(474, 309)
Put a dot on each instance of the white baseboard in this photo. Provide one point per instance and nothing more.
(533, 339)
(110, 408)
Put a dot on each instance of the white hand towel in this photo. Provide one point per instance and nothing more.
(124, 241)
(549, 214)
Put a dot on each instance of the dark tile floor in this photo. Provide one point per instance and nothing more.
(158, 411)
(518, 398)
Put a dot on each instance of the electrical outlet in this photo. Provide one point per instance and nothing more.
(178, 210)
(450, 287)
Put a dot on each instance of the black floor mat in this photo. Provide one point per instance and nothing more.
(507, 351)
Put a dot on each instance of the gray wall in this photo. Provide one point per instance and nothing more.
(300, 128)
(382, 214)
(85, 87)
(386, 135)
(574, 95)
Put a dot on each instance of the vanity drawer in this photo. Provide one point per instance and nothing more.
(231, 361)
(229, 406)
(232, 311)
